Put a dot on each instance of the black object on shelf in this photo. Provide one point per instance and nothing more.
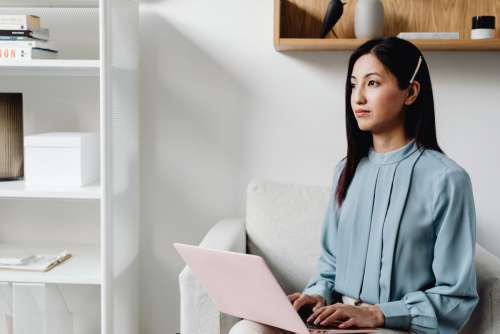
(483, 22)
(332, 15)
(11, 136)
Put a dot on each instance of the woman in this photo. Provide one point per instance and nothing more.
(398, 241)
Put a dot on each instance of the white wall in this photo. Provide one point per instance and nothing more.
(220, 106)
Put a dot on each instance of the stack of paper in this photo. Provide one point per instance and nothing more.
(429, 35)
(32, 262)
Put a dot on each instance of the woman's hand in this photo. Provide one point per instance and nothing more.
(359, 316)
(300, 299)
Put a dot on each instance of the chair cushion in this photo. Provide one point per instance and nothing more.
(283, 224)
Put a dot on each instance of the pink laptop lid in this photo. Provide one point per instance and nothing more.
(242, 285)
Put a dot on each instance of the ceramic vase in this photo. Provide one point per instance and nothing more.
(369, 19)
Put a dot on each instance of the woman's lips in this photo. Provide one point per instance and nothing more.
(361, 112)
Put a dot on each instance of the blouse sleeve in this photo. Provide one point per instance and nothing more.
(323, 282)
(446, 306)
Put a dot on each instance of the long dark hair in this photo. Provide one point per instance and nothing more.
(400, 57)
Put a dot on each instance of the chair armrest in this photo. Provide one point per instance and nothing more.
(198, 313)
(486, 316)
(228, 234)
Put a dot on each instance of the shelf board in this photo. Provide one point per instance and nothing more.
(50, 3)
(18, 189)
(298, 24)
(67, 67)
(318, 44)
(82, 268)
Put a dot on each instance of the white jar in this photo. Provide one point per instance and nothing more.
(482, 33)
(483, 27)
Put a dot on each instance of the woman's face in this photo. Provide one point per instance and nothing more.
(375, 90)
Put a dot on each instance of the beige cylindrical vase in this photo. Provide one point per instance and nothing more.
(369, 19)
(11, 136)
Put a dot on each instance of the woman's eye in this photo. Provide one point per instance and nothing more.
(353, 85)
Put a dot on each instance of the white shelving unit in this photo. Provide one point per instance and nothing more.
(68, 67)
(51, 3)
(91, 87)
(17, 189)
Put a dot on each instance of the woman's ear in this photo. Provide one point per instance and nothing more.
(413, 91)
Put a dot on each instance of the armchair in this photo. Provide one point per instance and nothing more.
(277, 214)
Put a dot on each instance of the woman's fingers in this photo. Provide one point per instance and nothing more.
(319, 304)
(301, 301)
(315, 314)
(327, 312)
(319, 310)
(334, 317)
(292, 297)
(349, 323)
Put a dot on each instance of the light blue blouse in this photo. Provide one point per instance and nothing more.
(404, 238)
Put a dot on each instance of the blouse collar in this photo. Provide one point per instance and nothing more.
(394, 155)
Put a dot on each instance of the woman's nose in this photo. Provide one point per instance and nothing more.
(359, 96)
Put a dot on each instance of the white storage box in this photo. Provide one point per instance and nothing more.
(61, 159)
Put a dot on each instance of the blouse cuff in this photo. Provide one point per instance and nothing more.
(320, 289)
(396, 314)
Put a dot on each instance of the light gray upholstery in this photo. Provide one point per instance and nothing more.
(283, 224)
(486, 317)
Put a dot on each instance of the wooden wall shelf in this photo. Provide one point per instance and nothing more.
(297, 24)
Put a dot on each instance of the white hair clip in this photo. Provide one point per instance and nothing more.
(416, 70)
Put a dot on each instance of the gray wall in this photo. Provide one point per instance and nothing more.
(220, 106)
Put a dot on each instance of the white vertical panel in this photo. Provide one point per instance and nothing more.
(119, 39)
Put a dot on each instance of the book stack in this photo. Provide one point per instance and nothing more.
(22, 38)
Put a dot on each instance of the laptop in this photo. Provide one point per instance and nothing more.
(242, 285)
